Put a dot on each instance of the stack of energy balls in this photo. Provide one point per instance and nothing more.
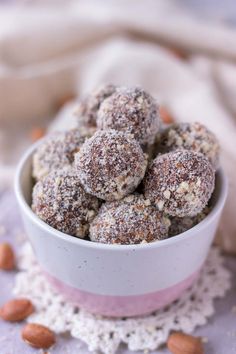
(121, 177)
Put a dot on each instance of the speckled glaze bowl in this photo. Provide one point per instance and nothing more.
(118, 280)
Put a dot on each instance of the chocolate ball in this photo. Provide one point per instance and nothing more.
(86, 131)
(131, 110)
(110, 165)
(180, 183)
(131, 220)
(90, 104)
(56, 152)
(180, 225)
(191, 136)
(60, 200)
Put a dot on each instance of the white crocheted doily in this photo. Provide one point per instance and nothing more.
(104, 334)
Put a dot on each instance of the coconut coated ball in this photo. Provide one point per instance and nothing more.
(56, 152)
(86, 130)
(180, 183)
(60, 200)
(89, 106)
(110, 165)
(131, 110)
(131, 220)
(191, 136)
(180, 225)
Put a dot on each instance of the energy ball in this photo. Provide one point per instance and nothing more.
(89, 106)
(131, 110)
(56, 152)
(86, 130)
(60, 201)
(110, 165)
(180, 183)
(180, 225)
(191, 136)
(129, 221)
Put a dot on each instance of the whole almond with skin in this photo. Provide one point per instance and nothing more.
(7, 257)
(38, 336)
(166, 117)
(16, 310)
(37, 133)
(180, 343)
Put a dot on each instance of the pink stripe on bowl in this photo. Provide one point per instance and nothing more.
(122, 306)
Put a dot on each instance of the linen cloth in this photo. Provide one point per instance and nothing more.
(52, 50)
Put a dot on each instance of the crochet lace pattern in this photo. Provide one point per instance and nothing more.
(146, 333)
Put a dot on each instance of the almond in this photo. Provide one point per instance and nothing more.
(166, 117)
(16, 310)
(179, 53)
(180, 343)
(37, 133)
(38, 336)
(7, 257)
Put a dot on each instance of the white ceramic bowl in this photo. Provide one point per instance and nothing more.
(118, 280)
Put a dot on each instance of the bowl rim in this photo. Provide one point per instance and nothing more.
(96, 245)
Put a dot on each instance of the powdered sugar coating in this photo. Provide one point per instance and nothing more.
(60, 200)
(179, 225)
(110, 165)
(180, 183)
(131, 110)
(131, 220)
(56, 152)
(89, 105)
(191, 136)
